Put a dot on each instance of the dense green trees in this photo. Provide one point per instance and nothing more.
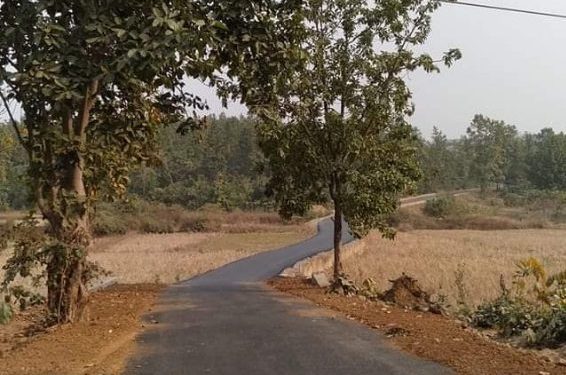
(218, 164)
(490, 142)
(494, 154)
(221, 164)
(546, 160)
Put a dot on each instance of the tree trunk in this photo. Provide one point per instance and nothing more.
(67, 294)
(337, 240)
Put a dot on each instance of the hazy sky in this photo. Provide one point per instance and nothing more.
(513, 69)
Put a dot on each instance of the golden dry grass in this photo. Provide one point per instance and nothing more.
(167, 258)
(433, 258)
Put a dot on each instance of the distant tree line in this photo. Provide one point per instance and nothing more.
(494, 154)
(222, 164)
(218, 164)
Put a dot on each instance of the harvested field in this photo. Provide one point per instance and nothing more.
(168, 258)
(435, 258)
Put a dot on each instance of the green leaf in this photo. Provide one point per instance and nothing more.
(220, 25)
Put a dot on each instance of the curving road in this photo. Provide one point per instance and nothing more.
(227, 322)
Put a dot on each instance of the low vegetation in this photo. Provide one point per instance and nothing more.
(528, 209)
(532, 309)
(143, 217)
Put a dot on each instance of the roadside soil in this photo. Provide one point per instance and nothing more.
(98, 345)
(427, 335)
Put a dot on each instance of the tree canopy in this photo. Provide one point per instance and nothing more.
(97, 80)
(338, 129)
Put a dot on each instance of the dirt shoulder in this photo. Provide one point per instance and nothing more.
(142, 264)
(426, 335)
(98, 345)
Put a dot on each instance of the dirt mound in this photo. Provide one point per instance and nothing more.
(407, 293)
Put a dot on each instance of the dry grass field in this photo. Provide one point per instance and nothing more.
(167, 258)
(210, 240)
(434, 257)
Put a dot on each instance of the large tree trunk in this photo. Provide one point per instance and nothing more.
(67, 295)
(337, 240)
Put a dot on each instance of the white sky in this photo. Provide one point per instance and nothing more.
(513, 69)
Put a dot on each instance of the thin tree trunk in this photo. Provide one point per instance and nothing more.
(337, 240)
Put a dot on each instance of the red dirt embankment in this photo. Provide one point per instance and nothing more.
(427, 335)
(98, 345)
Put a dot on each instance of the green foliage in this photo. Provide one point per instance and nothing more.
(338, 129)
(490, 141)
(108, 222)
(439, 207)
(218, 164)
(493, 153)
(546, 159)
(535, 308)
(97, 81)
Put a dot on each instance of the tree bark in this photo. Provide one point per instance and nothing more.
(67, 294)
(67, 211)
(337, 240)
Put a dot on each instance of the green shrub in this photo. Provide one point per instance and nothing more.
(108, 222)
(511, 317)
(553, 330)
(152, 224)
(534, 309)
(439, 207)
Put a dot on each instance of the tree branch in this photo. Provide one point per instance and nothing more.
(84, 115)
(13, 121)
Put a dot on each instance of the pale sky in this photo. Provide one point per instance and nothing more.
(513, 69)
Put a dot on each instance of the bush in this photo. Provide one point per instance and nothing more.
(511, 317)
(150, 217)
(534, 309)
(439, 207)
(109, 222)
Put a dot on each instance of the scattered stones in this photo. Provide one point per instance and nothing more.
(396, 331)
(320, 279)
(343, 286)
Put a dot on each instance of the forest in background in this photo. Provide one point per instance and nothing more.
(222, 164)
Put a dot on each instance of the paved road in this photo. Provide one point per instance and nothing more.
(227, 322)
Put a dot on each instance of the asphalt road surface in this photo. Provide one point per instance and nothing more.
(227, 322)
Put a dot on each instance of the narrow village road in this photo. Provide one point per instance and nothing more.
(227, 322)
